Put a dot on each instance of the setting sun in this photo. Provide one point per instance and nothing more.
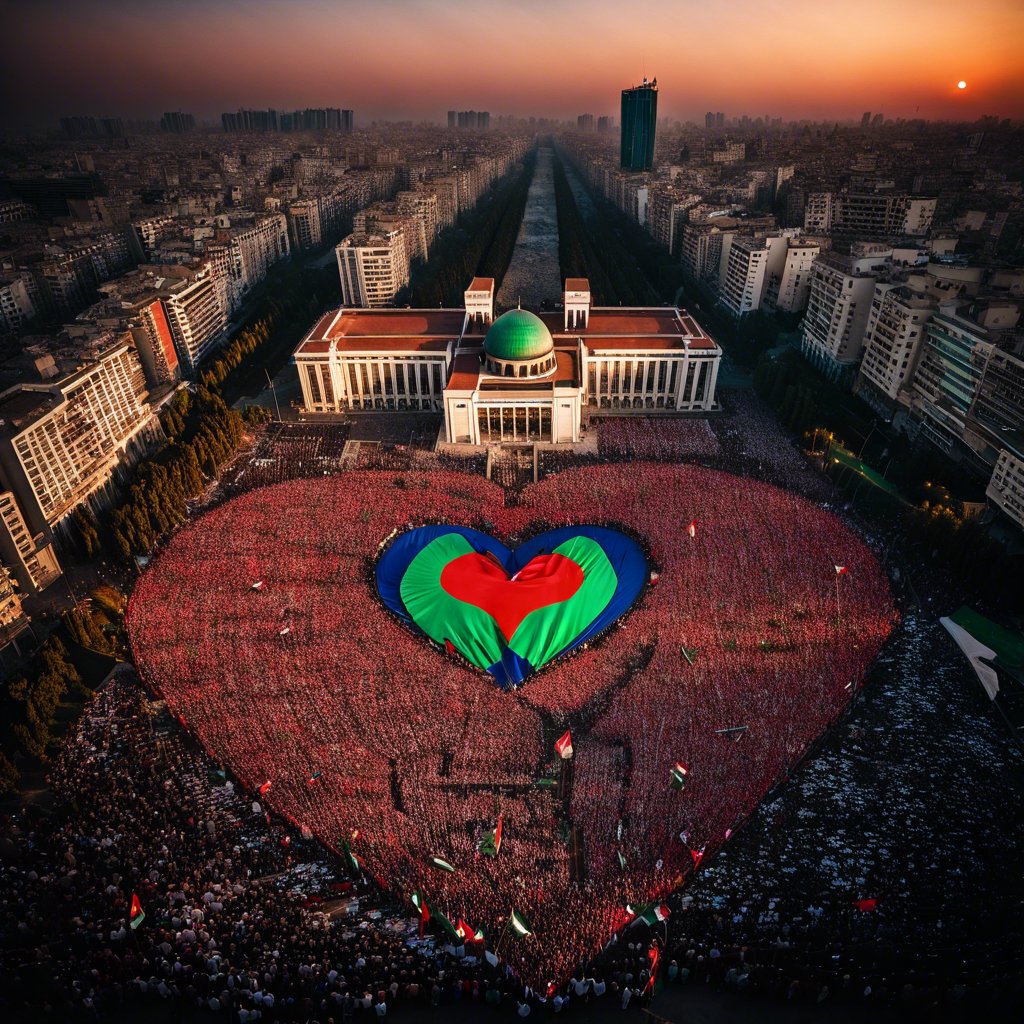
(961, 84)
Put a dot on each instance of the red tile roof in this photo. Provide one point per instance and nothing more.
(577, 284)
(481, 284)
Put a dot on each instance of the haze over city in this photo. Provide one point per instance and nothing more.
(412, 59)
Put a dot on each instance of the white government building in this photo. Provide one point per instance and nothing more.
(521, 376)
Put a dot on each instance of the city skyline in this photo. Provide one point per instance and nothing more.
(797, 61)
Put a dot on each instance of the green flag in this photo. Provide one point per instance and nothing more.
(519, 925)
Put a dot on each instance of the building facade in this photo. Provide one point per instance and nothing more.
(61, 443)
(518, 377)
(373, 268)
(638, 123)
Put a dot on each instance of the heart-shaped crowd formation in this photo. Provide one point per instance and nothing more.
(277, 626)
(511, 612)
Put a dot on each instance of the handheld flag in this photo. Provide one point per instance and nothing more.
(692, 528)
(622, 860)
(440, 862)
(866, 906)
(446, 925)
(563, 745)
(698, 856)
(421, 905)
(519, 925)
(354, 864)
(285, 631)
(264, 788)
(136, 915)
(677, 777)
(258, 585)
(654, 579)
(654, 956)
(841, 570)
(689, 653)
(313, 777)
(734, 732)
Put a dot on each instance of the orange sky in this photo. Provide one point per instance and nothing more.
(416, 58)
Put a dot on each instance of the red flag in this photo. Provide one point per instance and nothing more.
(692, 528)
(497, 836)
(264, 787)
(449, 646)
(866, 906)
(654, 579)
(136, 907)
(563, 745)
(698, 856)
(841, 570)
(654, 955)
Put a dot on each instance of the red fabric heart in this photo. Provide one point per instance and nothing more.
(481, 582)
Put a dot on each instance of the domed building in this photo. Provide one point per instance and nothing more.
(518, 344)
(518, 377)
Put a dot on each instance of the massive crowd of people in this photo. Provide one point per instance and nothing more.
(415, 755)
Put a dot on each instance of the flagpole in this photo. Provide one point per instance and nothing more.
(837, 598)
(501, 938)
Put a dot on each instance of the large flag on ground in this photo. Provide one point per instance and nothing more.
(563, 745)
(519, 924)
(136, 915)
(677, 777)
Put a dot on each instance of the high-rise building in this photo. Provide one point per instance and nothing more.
(453, 118)
(865, 120)
(893, 340)
(709, 119)
(28, 555)
(585, 123)
(198, 319)
(177, 122)
(304, 224)
(62, 440)
(837, 310)
(639, 120)
(604, 124)
(373, 268)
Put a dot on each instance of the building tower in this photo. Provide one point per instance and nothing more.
(639, 118)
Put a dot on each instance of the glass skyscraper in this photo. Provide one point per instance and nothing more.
(639, 117)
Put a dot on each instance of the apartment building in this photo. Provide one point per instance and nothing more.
(948, 377)
(838, 307)
(252, 250)
(745, 274)
(373, 268)
(28, 556)
(304, 225)
(62, 441)
(1006, 487)
(789, 289)
(17, 307)
(893, 342)
(197, 316)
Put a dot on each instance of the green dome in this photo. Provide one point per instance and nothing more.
(518, 335)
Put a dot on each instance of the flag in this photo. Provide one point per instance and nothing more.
(654, 955)
(136, 915)
(313, 777)
(491, 842)
(421, 905)
(650, 914)
(841, 570)
(689, 653)
(449, 646)
(497, 835)
(354, 864)
(654, 579)
(866, 906)
(734, 732)
(518, 924)
(563, 745)
(258, 585)
(692, 528)
(677, 777)
(264, 788)
(467, 933)
(286, 841)
(622, 860)
(443, 921)
(285, 631)
(698, 856)
(440, 862)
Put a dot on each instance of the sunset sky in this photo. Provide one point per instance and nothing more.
(415, 59)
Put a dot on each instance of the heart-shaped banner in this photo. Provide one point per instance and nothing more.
(511, 612)
(259, 626)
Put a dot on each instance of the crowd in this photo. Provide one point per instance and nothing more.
(368, 737)
(657, 439)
